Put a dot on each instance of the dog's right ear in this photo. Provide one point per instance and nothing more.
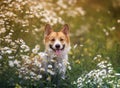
(48, 30)
(65, 29)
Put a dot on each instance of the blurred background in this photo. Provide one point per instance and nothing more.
(94, 32)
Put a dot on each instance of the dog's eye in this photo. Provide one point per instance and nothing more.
(53, 39)
(61, 39)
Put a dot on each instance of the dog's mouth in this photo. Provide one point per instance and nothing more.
(57, 51)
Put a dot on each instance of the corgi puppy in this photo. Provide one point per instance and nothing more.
(57, 45)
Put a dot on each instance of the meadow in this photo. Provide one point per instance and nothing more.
(94, 58)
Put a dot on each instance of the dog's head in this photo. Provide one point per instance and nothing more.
(57, 42)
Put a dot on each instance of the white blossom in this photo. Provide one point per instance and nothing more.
(39, 76)
(0, 57)
(11, 63)
(49, 66)
(51, 72)
(97, 76)
(75, 46)
(69, 67)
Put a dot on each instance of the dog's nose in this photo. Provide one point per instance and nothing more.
(57, 46)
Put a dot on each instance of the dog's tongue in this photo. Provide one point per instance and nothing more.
(58, 52)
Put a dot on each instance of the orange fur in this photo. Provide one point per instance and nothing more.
(57, 35)
(57, 45)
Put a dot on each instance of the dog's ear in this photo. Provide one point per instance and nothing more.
(65, 29)
(48, 30)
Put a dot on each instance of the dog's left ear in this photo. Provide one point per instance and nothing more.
(48, 30)
(65, 29)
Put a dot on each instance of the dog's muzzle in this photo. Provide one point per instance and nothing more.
(57, 47)
(57, 51)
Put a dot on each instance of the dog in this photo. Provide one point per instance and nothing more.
(57, 46)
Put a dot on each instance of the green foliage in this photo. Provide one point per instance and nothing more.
(94, 33)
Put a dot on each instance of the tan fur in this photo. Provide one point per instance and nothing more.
(57, 35)
(61, 38)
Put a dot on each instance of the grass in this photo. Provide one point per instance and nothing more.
(94, 33)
